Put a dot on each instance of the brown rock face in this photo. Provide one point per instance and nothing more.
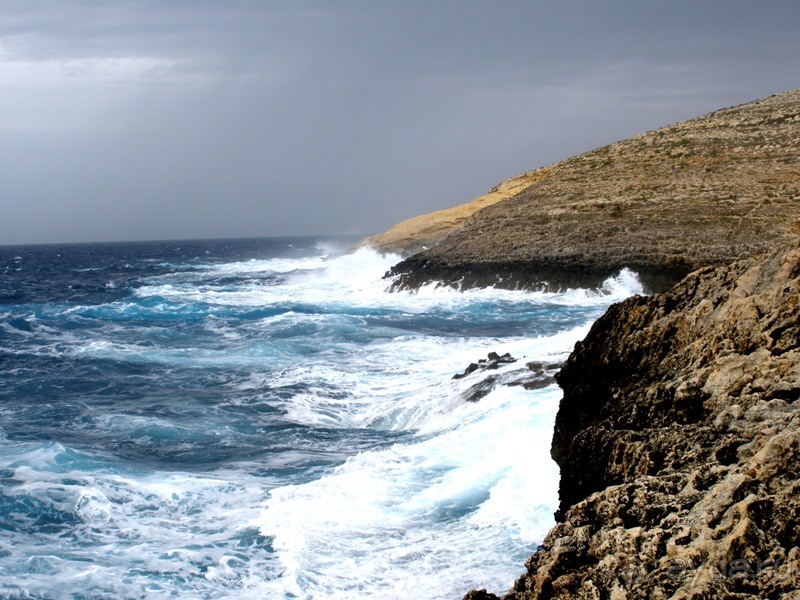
(678, 439)
(709, 191)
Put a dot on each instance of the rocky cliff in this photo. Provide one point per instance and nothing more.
(678, 440)
(702, 192)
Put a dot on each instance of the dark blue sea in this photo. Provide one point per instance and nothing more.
(261, 418)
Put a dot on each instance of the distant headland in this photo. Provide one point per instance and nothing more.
(702, 192)
(678, 436)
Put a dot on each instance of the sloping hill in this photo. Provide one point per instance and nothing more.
(425, 231)
(707, 191)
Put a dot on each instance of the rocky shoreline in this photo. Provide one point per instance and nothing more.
(678, 436)
(550, 276)
(678, 439)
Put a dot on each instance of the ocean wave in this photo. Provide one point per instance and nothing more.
(404, 516)
(225, 427)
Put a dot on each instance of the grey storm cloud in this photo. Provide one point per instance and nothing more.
(153, 120)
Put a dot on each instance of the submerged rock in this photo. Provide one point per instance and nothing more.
(481, 389)
(493, 361)
(678, 440)
(484, 386)
(534, 376)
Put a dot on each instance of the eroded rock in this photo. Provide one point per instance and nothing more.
(678, 439)
(707, 191)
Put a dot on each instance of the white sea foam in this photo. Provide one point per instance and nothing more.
(159, 533)
(475, 489)
(430, 517)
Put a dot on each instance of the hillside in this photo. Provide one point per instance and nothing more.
(425, 231)
(706, 191)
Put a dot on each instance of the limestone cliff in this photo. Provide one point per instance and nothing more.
(707, 191)
(678, 440)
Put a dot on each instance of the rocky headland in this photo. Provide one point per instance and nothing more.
(678, 435)
(702, 192)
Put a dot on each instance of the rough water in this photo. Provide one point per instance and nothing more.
(262, 419)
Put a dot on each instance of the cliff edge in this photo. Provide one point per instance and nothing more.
(678, 439)
(708, 191)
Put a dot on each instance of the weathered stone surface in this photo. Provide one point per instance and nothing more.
(678, 439)
(718, 188)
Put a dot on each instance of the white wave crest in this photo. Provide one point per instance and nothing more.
(356, 279)
(392, 522)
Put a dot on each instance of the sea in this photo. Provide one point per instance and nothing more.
(264, 418)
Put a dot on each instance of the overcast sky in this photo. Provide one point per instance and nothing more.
(165, 119)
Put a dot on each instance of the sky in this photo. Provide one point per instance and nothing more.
(174, 119)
